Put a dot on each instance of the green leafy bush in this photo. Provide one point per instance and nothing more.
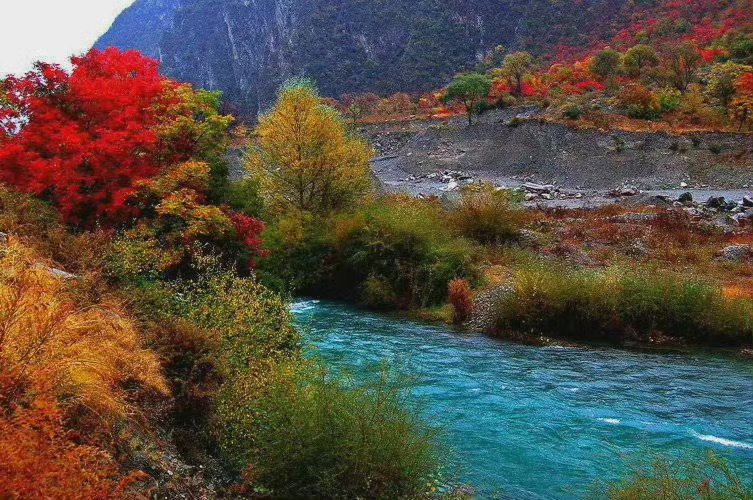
(391, 252)
(315, 436)
(669, 99)
(408, 244)
(572, 112)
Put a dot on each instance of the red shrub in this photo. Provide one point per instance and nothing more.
(461, 299)
(249, 231)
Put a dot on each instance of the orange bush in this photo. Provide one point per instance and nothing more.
(88, 357)
(461, 299)
(40, 460)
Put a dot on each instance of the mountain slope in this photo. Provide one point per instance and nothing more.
(246, 48)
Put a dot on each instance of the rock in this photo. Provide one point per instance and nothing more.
(546, 196)
(539, 188)
(683, 185)
(626, 190)
(530, 197)
(685, 197)
(737, 253)
(742, 217)
(715, 202)
(3, 238)
(747, 201)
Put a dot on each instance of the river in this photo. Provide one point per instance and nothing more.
(544, 422)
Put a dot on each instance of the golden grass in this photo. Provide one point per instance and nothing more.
(87, 357)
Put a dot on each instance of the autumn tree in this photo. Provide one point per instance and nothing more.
(468, 89)
(304, 157)
(682, 61)
(516, 66)
(721, 80)
(83, 140)
(741, 106)
(638, 58)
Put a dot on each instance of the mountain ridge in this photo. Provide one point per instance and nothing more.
(247, 48)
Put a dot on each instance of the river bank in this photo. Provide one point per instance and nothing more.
(542, 422)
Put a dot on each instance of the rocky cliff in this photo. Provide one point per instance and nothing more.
(246, 48)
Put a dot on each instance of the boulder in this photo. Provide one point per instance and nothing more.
(538, 188)
(715, 202)
(685, 197)
(747, 201)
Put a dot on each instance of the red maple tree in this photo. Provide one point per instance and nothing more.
(84, 139)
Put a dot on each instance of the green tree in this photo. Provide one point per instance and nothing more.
(469, 89)
(304, 157)
(606, 63)
(638, 58)
(516, 66)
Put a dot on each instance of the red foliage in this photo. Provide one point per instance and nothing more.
(39, 459)
(590, 86)
(83, 140)
(461, 299)
(249, 231)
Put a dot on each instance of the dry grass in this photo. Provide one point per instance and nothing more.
(89, 358)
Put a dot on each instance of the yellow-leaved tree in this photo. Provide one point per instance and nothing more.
(304, 158)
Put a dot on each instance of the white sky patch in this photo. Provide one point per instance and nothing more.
(51, 30)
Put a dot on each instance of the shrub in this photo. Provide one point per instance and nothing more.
(614, 306)
(487, 214)
(41, 460)
(319, 437)
(377, 293)
(639, 101)
(669, 100)
(406, 242)
(665, 477)
(461, 299)
(572, 112)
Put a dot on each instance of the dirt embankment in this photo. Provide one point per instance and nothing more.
(508, 150)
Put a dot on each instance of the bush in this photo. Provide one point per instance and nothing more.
(407, 243)
(572, 112)
(487, 215)
(41, 459)
(674, 478)
(461, 299)
(639, 102)
(319, 437)
(669, 100)
(614, 306)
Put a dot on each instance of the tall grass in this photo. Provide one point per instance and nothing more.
(618, 304)
(83, 356)
(712, 478)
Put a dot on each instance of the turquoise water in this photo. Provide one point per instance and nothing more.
(545, 422)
